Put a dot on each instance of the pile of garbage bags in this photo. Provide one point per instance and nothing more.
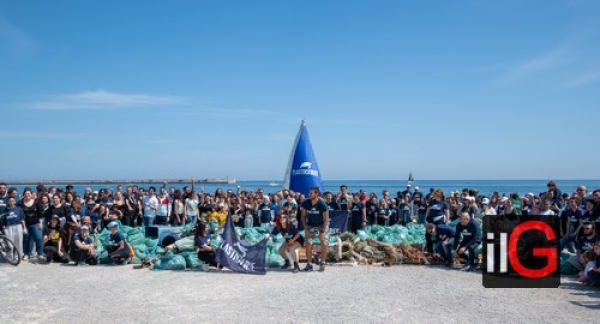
(185, 255)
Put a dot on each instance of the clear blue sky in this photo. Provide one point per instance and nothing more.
(448, 89)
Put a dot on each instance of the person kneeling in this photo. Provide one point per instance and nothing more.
(118, 250)
(82, 249)
(444, 237)
(293, 241)
(471, 239)
(53, 242)
(206, 253)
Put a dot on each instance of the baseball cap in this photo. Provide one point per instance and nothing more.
(111, 224)
(485, 201)
(85, 227)
(417, 188)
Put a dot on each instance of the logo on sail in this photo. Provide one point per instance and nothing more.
(306, 169)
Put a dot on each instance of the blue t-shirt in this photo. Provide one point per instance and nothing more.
(287, 233)
(437, 211)
(3, 203)
(443, 231)
(357, 214)
(586, 244)
(115, 240)
(205, 239)
(77, 237)
(13, 216)
(264, 213)
(314, 213)
(471, 234)
(572, 215)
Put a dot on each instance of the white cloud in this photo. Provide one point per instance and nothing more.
(15, 40)
(584, 79)
(550, 60)
(102, 99)
(21, 134)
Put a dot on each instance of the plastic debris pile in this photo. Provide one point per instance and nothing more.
(388, 245)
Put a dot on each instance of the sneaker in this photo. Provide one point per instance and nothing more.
(82, 264)
(322, 267)
(25, 257)
(296, 267)
(466, 267)
(472, 268)
(448, 265)
(583, 279)
(205, 267)
(286, 265)
(308, 267)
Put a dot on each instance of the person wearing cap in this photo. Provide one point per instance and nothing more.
(53, 246)
(444, 237)
(82, 250)
(486, 208)
(118, 249)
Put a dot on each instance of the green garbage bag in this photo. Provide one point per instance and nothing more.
(216, 241)
(136, 239)
(151, 244)
(362, 235)
(192, 261)
(186, 244)
(170, 261)
(136, 260)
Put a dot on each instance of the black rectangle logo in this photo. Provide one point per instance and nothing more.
(521, 251)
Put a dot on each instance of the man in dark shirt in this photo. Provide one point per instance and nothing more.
(315, 221)
(444, 237)
(471, 239)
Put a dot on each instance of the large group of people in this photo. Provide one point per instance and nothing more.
(51, 223)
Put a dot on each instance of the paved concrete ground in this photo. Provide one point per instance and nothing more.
(35, 293)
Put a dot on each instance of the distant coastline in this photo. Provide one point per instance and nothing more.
(121, 181)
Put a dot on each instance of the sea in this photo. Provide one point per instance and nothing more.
(485, 187)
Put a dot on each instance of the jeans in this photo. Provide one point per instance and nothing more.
(35, 235)
(421, 216)
(445, 251)
(191, 219)
(147, 220)
(568, 241)
(248, 221)
(471, 250)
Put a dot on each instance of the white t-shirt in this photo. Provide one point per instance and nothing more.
(150, 201)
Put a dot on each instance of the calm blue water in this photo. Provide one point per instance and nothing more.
(485, 187)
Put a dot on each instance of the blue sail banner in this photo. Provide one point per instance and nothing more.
(239, 256)
(338, 221)
(304, 171)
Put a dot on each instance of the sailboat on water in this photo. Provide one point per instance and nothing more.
(302, 171)
(410, 179)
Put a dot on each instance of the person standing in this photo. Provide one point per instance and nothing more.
(33, 222)
(150, 204)
(315, 221)
(438, 212)
(359, 214)
(14, 224)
